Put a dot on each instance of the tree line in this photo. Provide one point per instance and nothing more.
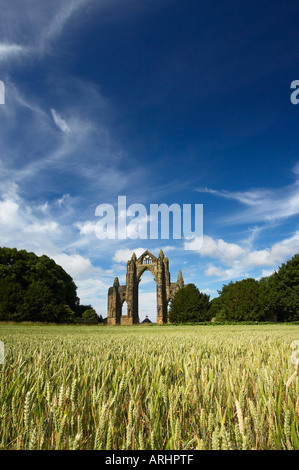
(272, 298)
(35, 288)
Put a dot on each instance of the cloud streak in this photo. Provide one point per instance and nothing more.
(8, 51)
(60, 19)
(47, 144)
(43, 23)
(40, 23)
(60, 123)
(263, 205)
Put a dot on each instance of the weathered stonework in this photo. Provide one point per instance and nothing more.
(117, 294)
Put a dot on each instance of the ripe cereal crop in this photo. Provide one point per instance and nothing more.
(149, 387)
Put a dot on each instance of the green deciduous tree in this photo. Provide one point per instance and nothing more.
(189, 305)
(246, 300)
(240, 301)
(285, 284)
(90, 314)
(35, 288)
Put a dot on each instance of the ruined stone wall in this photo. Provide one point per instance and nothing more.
(117, 294)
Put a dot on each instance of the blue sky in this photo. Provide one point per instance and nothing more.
(163, 101)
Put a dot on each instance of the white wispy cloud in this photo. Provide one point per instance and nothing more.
(61, 17)
(87, 228)
(236, 260)
(276, 254)
(60, 122)
(20, 225)
(225, 274)
(11, 50)
(32, 27)
(262, 205)
(78, 144)
(33, 228)
(219, 249)
(123, 255)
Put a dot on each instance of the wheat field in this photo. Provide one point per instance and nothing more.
(149, 387)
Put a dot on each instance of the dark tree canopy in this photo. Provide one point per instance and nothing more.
(240, 301)
(189, 305)
(35, 288)
(285, 285)
(90, 314)
(271, 298)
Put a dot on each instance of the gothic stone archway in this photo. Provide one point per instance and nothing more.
(117, 294)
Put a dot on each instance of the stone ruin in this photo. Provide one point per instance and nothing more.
(128, 293)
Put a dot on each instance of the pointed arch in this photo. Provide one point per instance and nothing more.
(117, 295)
